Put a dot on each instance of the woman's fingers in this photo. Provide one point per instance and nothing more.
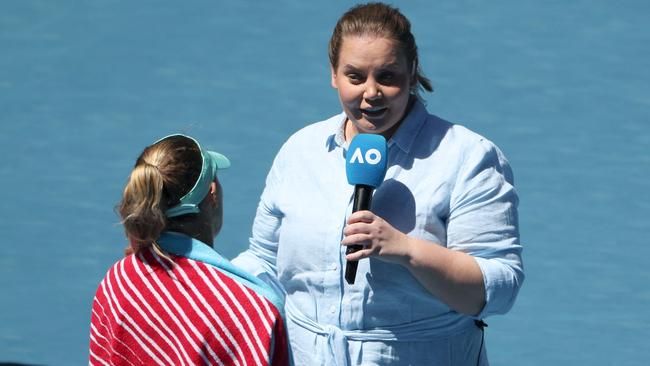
(356, 228)
(361, 216)
(359, 254)
(357, 239)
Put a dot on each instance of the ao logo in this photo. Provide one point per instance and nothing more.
(372, 156)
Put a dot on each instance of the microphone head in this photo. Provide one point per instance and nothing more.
(366, 160)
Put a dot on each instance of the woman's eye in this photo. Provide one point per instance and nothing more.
(387, 78)
(355, 78)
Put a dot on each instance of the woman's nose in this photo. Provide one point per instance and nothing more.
(372, 90)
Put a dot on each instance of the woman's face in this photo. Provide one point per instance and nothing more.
(373, 80)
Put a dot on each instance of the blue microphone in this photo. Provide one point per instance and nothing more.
(365, 167)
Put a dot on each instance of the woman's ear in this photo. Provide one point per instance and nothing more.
(414, 73)
(213, 192)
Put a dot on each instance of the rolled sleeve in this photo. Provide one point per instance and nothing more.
(502, 282)
(483, 222)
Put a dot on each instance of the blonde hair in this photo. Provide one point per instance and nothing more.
(380, 20)
(163, 173)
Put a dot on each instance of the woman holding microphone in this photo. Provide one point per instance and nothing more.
(441, 245)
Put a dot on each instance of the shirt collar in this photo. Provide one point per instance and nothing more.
(411, 125)
(338, 138)
(403, 137)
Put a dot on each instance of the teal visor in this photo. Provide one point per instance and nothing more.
(212, 161)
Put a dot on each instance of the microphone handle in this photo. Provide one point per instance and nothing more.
(362, 201)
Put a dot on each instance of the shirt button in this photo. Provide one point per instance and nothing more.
(334, 267)
(332, 309)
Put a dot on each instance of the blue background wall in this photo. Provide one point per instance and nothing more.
(561, 87)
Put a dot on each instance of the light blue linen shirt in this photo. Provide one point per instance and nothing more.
(444, 184)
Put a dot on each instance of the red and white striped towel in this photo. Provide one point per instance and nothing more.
(147, 312)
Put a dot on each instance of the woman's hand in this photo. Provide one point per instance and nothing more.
(378, 238)
(452, 276)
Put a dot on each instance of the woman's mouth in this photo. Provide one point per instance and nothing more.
(374, 112)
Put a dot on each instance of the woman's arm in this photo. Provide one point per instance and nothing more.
(479, 271)
(453, 277)
(260, 257)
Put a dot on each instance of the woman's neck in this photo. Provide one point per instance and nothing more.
(202, 233)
